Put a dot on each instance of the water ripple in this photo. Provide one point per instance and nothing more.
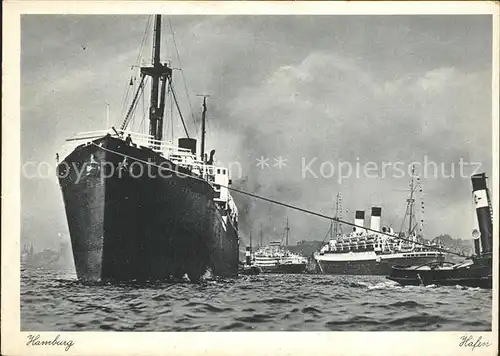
(53, 301)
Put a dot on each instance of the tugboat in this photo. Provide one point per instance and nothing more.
(248, 267)
(475, 271)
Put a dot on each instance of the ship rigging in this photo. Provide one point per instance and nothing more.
(160, 74)
(410, 213)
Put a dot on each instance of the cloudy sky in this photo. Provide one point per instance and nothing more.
(323, 89)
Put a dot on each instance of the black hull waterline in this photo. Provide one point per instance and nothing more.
(367, 267)
(285, 269)
(479, 274)
(480, 282)
(128, 221)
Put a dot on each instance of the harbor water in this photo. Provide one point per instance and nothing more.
(56, 301)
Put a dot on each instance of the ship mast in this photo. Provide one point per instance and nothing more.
(335, 229)
(411, 201)
(332, 227)
(203, 124)
(287, 232)
(160, 74)
(261, 236)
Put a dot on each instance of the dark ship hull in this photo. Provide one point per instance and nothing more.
(368, 267)
(479, 274)
(246, 270)
(292, 268)
(128, 221)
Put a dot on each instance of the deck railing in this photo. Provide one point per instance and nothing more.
(180, 156)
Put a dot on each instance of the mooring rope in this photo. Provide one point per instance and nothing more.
(286, 205)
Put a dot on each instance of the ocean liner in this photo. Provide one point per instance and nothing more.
(374, 251)
(140, 208)
(276, 258)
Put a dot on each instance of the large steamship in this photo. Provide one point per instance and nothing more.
(276, 258)
(366, 252)
(142, 208)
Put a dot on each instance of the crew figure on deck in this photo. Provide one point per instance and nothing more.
(211, 160)
(128, 140)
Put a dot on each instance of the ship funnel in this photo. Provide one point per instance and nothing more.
(375, 218)
(482, 202)
(477, 246)
(247, 256)
(359, 221)
(188, 143)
